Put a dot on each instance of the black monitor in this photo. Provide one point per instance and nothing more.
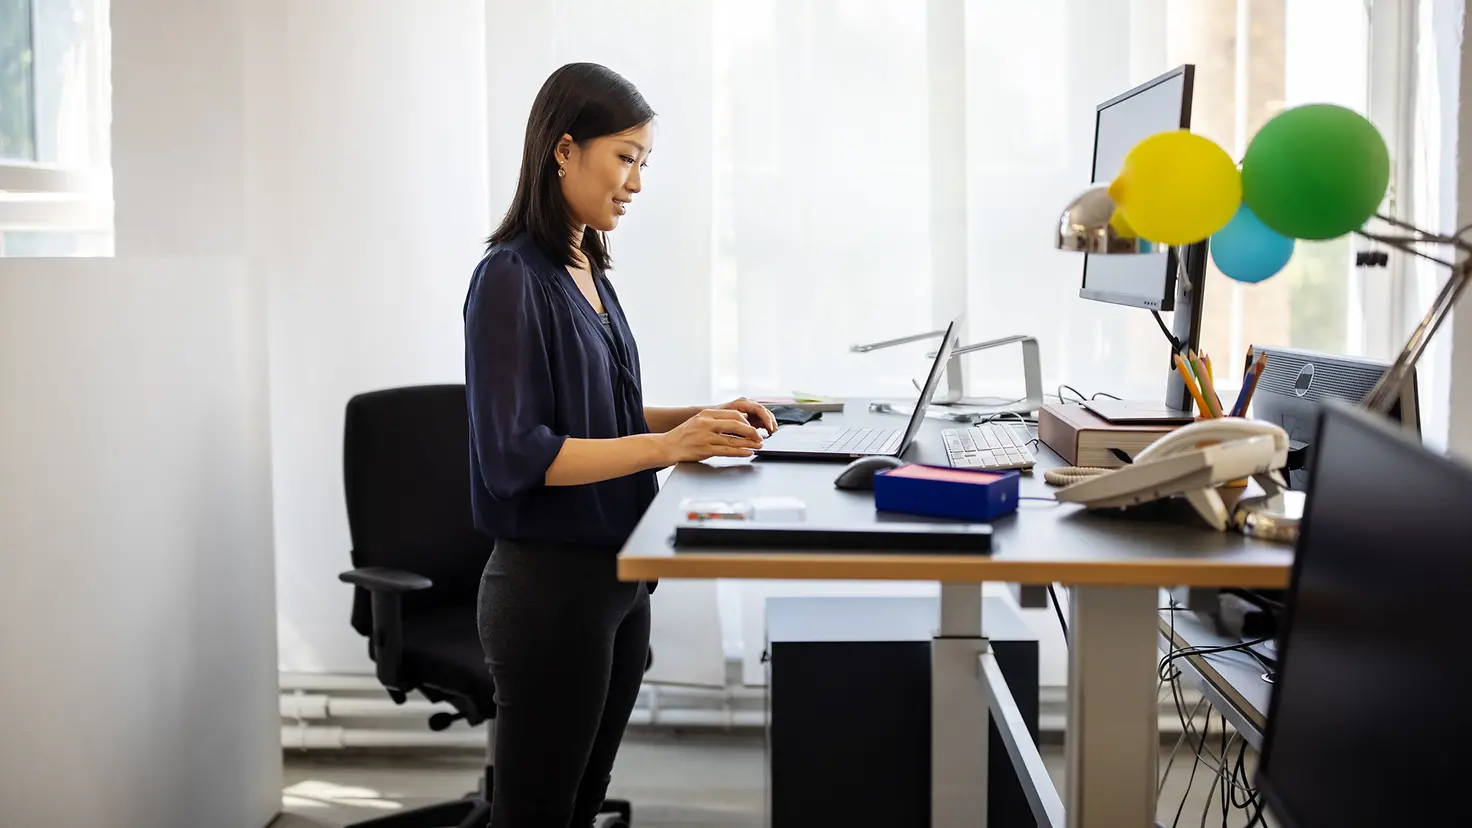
(1368, 701)
(1148, 280)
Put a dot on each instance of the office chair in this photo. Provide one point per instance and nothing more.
(417, 561)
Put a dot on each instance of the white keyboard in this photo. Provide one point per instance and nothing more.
(994, 446)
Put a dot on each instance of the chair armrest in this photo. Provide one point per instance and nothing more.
(384, 579)
(386, 588)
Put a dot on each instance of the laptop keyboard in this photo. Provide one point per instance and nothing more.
(865, 441)
(990, 446)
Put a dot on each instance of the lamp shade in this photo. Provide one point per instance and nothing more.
(1091, 224)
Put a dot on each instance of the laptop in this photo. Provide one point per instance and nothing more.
(815, 442)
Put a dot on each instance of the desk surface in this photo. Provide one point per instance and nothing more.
(1156, 544)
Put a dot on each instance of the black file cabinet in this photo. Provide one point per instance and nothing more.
(848, 695)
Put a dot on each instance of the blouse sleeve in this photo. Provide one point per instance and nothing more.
(508, 376)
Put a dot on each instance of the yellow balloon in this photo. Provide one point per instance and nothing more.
(1121, 225)
(1177, 188)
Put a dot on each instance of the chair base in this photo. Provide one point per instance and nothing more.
(623, 810)
(474, 811)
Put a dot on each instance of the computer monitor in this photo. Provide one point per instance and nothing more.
(1149, 280)
(1144, 280)
(1368, 701)
(1296, 383)
(1291, 394)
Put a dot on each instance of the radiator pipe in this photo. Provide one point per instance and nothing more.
(305, 736)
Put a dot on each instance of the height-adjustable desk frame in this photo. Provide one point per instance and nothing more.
(1115, 566)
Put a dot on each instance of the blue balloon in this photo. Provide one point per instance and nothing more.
(1248, 250)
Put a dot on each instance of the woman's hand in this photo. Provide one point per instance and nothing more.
(755, 413)
(711, 433)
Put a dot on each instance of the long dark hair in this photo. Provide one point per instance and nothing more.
(586, 101)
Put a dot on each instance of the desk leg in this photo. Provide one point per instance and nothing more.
(1112, 742)
(959, 712)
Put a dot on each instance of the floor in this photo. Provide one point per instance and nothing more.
(690, 780)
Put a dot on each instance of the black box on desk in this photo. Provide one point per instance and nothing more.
(848, 725)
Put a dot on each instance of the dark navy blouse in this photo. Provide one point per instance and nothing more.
(540, 366)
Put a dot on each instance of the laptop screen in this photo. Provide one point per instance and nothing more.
(942, 354)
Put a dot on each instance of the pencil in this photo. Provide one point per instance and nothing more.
(1191, 386)
(1211, 375)
(1262, 364)
(1240, 406)
(1205, 379)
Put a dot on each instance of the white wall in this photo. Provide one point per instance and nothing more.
(178, 140)
(372, 154)
(137, 686)
(139, 681)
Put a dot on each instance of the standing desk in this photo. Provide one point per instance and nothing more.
(1115, 564)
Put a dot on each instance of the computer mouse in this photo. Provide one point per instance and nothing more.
(859, 475)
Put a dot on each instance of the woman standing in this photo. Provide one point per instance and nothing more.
(563, 452)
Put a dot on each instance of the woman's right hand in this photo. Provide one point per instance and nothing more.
(711, 433)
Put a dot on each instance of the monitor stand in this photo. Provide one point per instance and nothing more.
(955, 392)
(978, 407)
(1138, 412)
(1186, 321)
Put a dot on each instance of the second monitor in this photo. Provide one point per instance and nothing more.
(1144, 280)
(1149, 281)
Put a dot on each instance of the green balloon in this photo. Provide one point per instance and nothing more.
(1316, 172)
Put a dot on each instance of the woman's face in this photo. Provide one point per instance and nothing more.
(601, 177)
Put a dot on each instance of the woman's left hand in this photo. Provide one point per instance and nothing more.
(756, 413)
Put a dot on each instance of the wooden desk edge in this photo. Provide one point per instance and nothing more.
(953, 569)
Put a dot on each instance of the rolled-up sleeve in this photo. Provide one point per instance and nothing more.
(508, 376)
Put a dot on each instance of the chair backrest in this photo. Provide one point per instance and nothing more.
(406, 476)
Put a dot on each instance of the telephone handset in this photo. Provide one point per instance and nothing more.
(1197, 435)
(1192, 461)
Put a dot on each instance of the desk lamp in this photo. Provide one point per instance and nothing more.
(1313, 172)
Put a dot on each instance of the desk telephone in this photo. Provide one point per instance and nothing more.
(1192, 461)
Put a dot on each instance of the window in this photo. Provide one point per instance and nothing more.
(1255, 59)
(820, 196)
(1036, 72)
(55, 179)
(825, 165)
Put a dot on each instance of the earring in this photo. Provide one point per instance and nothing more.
(561, 173)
